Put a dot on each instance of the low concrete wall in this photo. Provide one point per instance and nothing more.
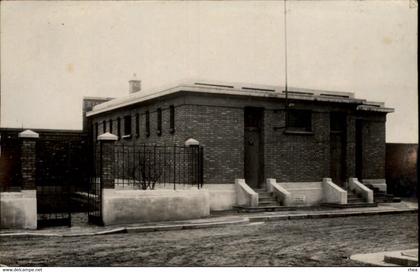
(18, 209)
(361, 189)
(134, 206)
(377, 183)
(280, 193)
(222, 196)
(303, 193)
(333, 193)
(245, 196)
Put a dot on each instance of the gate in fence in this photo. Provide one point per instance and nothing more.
(95, 188)
(60, 171)
(144, 167)
(10, 167)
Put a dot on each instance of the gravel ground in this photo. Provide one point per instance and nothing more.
(309, 242)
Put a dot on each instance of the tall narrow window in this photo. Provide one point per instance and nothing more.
(103, 126)
(110, 125)
(119, 127)
(137, 125)
(171, 119)
(159, 121)
(127, 125)
(96, 131)
(147, 116)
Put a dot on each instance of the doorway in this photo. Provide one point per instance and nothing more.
(338, 145)
(253, 147)
(359, 149)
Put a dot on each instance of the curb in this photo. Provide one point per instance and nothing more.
(326, 215)
(133, 229)
(239, 221)
(186, 226)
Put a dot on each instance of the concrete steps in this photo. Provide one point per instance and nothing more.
(353, 201)
(382, 197)
(266, 202)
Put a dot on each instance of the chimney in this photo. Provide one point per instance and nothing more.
(134, 85)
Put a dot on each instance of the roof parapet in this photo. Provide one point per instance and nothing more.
(241, 89)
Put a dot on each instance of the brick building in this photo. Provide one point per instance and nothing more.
(247, 132)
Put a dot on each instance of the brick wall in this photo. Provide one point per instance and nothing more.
(401, 169)
(296, 157)
(220, 131)
(217, 122)
(373, 146)
(53, 159)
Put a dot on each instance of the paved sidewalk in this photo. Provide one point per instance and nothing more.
(389, 258)
(216, 220)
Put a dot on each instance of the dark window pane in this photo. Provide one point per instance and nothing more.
(147, 116)
(159, 121)
(96, 131)
(110, 126)
(137, 125)
(299, 120)
(119, 127)
(103, 126)
(337, 121)
(127, 125)
(171, 119)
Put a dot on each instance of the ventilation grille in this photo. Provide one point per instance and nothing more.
(258, 89)
(335, 95)
(298, 93)
(213, 85)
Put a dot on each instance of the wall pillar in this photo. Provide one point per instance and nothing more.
(28, 156)
(19, 209)
(106, 142)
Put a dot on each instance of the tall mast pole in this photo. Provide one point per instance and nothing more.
(285, 64)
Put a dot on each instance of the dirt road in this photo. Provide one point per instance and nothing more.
(311, 242)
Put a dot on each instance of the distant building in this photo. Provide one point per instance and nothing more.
(247, 132)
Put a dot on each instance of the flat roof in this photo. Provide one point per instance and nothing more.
(244, 90)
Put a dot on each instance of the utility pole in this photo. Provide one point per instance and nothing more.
(285, 65)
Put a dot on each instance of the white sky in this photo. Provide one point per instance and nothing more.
(54, 53)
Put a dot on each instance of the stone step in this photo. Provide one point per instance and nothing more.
(265, 203)
(353, 196)
(264, 208)
(387, 200)
(350, 205)
(262, 195)
(402, 258)
(356, 201)
(271, 199)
